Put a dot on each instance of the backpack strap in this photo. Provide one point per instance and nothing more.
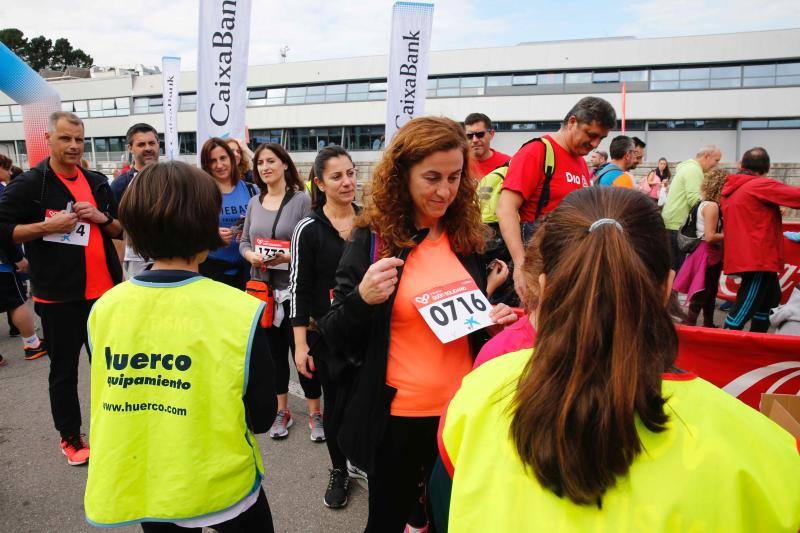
(548, 169)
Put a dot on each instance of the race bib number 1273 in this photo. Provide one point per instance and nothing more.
(454, 310)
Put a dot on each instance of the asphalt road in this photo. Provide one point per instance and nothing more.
(39, 492)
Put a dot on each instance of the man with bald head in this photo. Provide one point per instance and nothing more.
(684, 193)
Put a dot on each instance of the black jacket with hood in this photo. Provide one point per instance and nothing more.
(356, 337)
(57, 271)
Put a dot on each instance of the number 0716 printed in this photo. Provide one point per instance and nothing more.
(454, 310)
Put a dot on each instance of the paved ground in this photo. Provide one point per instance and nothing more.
(39, 492)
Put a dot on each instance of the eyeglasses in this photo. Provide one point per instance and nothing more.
(478, 134)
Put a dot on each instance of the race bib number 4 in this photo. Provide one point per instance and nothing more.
(269, 248)
(78, 237)
(455, 310)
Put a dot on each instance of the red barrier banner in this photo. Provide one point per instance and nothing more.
(728, 285)
(743, 364)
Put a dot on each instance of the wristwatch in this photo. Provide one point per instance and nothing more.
(109, 220)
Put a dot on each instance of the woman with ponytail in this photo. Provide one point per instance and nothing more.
(595, 428)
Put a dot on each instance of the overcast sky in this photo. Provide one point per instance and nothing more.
(117, 32)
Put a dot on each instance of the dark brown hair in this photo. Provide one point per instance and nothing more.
(291, 176)
(598, 362)
(5, 162)
(390, 209)
(331, 151)
(171, 210)
(205, 157)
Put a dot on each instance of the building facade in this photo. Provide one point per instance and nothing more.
(734, 90)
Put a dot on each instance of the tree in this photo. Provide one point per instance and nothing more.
(15, 40)
(40, 52)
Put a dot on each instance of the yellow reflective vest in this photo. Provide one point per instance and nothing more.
(169, 440)
(720, 466)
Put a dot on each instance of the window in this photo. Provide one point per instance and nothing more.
(16, 113)
(276, 96)
(633, 75)
(100, 144)
(578, 77)
(527, 126)
(365, 137)
(123, 106)
(694, 78)
(725, 77)
(711, 124)
(315, 94)
(257, 97)
(550, 79)
(529, 79)
(788, 74)
(499, 81)
(5, 113)
(377, 90)
(774, 123)
(312, 139)
(144, 104)
(187, 140)
(335, 93)
(472, 86)
(81, 108)
(187, 102)
(357, 92)
(258, 137)
(116, 144)
(295, 95)
(605, 77)
(759, 75)
(448, 86)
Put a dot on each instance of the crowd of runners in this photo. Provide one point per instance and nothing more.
(488, 340)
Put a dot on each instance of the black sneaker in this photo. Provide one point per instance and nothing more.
(336, 493)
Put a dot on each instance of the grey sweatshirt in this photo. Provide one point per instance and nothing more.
(258, 223)
(786, 318)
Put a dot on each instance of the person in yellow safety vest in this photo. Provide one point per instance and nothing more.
(595, 429)
(180, 384)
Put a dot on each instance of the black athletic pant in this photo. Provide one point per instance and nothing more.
(281, 341)
(257, 518)
(403, 464)
(707, 300)
(758, 293)
(332, 417)
(64, 327)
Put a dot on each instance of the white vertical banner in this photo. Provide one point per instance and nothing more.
(171, 74)
(222, 48)
(408, 64)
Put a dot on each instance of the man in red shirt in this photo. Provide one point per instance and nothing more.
(753, 238)
(586, 124)
(480, 134)
(66, 216)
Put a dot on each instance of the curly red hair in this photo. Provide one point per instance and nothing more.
(390, 209)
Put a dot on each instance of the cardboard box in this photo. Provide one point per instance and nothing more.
(784, 409)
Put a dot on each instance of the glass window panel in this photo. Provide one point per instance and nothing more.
(187, 102)
(65, 106)
(334, 98)
(188, 142)
(605, 77)
(471, 91)
(759, 82)
(123, 112)
(663, 85)
(787, 80)
(315, 89)
(82, 114)
(339, 88)
(357, 97)
(378, 95)
(296, 91)
(449, 82)
(101, 145)
(550, 79)
(694, 84)
(473, 81)
(315, 94)
(431, 93)
(276, 92)
(759, 71)
(378, 86)
(156, 101)
(95, 105)
(788, 69)
(116, 144)
(527, 79)
(96, 113)
(633, 75)
(358, 87)
(754, 124)
(724, 83)
(109, 112)
(123, 103)
(5, 113)
(665, 74)
(447, 92)
(255, 102)
(432, 83)
(16, 113)
(80, 105)
(290, 100)
(694, 73)
(109, 103)
(785, 123)
(499, 81)
(726, 72)
(578, 77)
(254, 94)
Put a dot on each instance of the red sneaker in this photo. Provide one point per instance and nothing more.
(76, 450)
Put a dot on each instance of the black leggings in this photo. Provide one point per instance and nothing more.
(403, 464)
(257, 518)
(332, 418)
(707, 300)
(281, 345)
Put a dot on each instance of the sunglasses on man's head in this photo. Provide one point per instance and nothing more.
(478, 134)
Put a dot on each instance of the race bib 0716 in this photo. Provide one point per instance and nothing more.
(269, 248)
(78, 237)
(454, 310)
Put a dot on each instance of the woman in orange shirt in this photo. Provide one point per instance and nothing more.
(417, 246)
